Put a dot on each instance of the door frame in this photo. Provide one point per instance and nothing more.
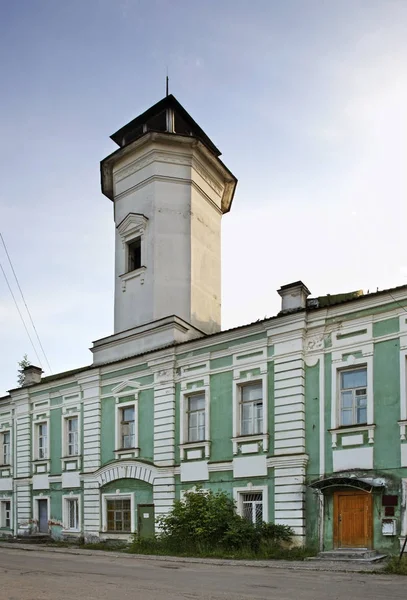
(139, 507)
(36, 511)
(369, 517)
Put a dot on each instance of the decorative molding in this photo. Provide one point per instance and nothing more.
(356, 429)
(124, 470)
(403, 425)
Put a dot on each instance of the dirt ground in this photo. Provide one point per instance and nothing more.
(46, 575)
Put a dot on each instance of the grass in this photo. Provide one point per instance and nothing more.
(396, 566)
(156, 547)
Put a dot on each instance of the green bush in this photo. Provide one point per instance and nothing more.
(206, 524)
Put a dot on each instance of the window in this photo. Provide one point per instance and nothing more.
(252, 507)
(127, 427)
(72, 436)
(42, 440)
(134, 255)
(251, 409)
(5, 514)
(119, 515)
(353, 397)
(72, 514)
(196, 418)
(5, 448)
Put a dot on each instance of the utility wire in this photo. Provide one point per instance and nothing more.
(25, 303)
(21, 316)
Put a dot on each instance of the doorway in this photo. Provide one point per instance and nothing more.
(353, 519)
(146, 527)
(42, 516)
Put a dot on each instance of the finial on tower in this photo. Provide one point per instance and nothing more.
(167, 84)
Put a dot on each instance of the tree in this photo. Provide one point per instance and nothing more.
(22, 365)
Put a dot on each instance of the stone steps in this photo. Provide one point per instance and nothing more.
(350, 555)
(39, 538)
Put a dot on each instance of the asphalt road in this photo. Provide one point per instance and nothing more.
(47, 575)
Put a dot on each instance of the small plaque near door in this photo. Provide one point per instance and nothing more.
(145, 515)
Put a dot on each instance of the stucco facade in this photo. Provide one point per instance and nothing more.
(296, 417)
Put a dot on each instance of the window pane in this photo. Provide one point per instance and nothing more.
(252, 392)
(128, 413)
(347, 399)
(361, 401)
(353, 379)
(252, 507)
(346, 417)
(361, 415)
(197, 402)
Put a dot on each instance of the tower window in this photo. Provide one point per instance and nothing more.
(134, 255)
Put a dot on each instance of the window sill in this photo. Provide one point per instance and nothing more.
(263, 438)
(127, 453)
(189, 446)
(352, 429)
(137, 273)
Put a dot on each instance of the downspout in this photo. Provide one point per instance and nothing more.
(321, 447)
(14, 472)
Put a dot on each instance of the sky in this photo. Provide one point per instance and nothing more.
(306, 99)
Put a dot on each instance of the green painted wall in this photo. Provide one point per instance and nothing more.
(386, 327)
(270, 405)
(221, 363)
(146, 424)
(107, 429)
(224, 345)
(328, 410)
(386, 385)
(312, 375)
(221, 416)
(55, 440)
(124, 372)
(143, 492)
(177, 421)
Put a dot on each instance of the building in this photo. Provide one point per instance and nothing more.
(301, 418)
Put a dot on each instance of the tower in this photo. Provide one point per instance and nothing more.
(169, 191)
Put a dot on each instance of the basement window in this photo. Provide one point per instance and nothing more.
(134, 255)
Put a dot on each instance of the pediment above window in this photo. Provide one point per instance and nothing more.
(132, 226)
(126, 388)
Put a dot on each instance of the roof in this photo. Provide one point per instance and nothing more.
(168, 102)
(347, 299)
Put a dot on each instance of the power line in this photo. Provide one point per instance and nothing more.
(21, 316)
(25, 303)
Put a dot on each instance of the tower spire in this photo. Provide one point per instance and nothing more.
(167, 84)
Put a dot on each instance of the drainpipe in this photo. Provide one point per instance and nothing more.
(14, 471)
(321, 448)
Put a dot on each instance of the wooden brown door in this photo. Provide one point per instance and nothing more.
(352, 519)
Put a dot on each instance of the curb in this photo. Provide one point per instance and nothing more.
(260, 564)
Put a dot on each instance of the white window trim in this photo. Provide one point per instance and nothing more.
(36, 513)
(64, 449)
(237, 437)
(10, 432)
(132, 227)
(183, 434)
(65, 513)
(342, 365)
(122, 390)
(35, 447)
(403, 385)
(118, 496)
(7, 499)
(119, 407)
(249, 489)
